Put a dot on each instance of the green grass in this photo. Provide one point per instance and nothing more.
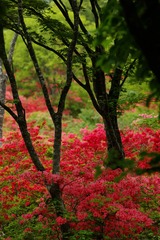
(140, 116)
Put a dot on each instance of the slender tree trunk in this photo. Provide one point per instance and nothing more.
(20, 117)
(3, 79)
(55, 191)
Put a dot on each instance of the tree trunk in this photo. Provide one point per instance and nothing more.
(113, 97)
(56, 195)
(108, 107)
(55, 191)
(115, 148)
(3, 79)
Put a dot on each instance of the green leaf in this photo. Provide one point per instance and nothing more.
(98, 171)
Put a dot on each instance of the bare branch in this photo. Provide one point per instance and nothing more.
(80, 4)
(50, 49)
(78, 81)
(65, 13)
(89, 90)
(9, 111)
(127, 72)
(71, 50)
(64, 7)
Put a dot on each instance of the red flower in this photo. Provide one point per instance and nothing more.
(61, 221)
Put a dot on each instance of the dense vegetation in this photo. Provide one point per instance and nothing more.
(100, 203)
(80, 152)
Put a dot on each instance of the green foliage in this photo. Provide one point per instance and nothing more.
(115, 38)
(82, 235)
(151, 122)
(129, 98)
(155, 88)
(74, 104)
(138, 115)
(121, 48)
(37, 5)
(41, 118)
(89, 116)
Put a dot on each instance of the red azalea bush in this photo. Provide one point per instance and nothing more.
(30, 104)
(96, 207)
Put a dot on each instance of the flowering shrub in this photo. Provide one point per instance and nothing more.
(147, 120)
(97, 207)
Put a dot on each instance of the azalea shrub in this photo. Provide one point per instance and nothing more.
(106, 205)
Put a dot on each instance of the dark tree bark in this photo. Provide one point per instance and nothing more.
(143, 22)
(108, 106)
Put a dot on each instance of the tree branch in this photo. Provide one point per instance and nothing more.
(9, 111)
(80, 4)
(89, 90)
(49, 48)
(35, 61)
(127, 72)
(65, 13)
(21, 120)
(94, 11)
(71, 50)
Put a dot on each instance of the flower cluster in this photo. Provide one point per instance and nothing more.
(101, 206)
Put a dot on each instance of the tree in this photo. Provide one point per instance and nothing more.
(77, 49)
(86, 54)
(74, 47)
(141, 21)
(85, 57)
(3, 79)
(94, 76)
(56, 116)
